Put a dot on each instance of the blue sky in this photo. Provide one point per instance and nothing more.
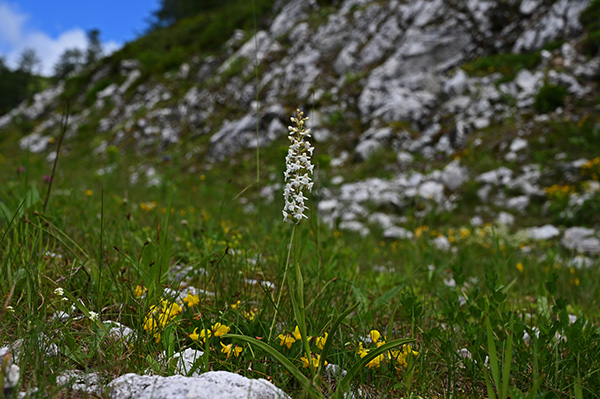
(49, 27)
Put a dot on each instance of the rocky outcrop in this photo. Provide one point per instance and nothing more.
(213, 384)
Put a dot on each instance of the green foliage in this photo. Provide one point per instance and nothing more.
(17, 86)
(171, 11)
(165, 48)
(590, 19)
(506, 64)
(549, 97)
(236, 67)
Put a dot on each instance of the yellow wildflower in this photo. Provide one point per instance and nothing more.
(400, 356)
(286, 340)
(375, 362)
(236, 305)
(148, 206)
(139, 291)
(249, 315)
(464, 232)
(229, 349)
(315, 361)
(194, 336)
(89, 193)
(374, 334)
(321, 341)
(191, 300)
(220, 329)
(205, 334)
(226, 349)
(362, 352)
(172, 310)
(520, 267)
(420, 230)
(296, 334)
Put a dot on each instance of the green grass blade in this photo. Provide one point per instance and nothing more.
(334, 327)
(536, 385)
(284, 361)
(488, 384)
(358, 367)
(578, 391)
(492, 352)
(507, 361)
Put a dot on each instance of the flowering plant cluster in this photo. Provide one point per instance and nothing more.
(399, 357)
(298, 170)
(289, 339)
(159, 316)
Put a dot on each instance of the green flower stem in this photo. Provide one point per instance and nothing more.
(287, 263)
(300, 314)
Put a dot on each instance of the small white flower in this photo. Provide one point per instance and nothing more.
(10, 309)
(93, 316)
(298, 170)
(59, 291)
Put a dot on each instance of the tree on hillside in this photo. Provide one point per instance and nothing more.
(15, 85)
(28, 61)
(94, 49)
(71, 60)
(171, 11)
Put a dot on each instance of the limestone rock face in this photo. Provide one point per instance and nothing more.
(214, 384)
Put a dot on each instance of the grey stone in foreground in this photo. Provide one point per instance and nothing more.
(213, 384)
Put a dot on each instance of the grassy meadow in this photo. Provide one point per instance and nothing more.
(493, 317)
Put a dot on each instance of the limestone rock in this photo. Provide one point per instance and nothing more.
(543, 233)
(432, 190)
(354, 226)
(506, 219)
(397, 233)
(581, 239)
(561, 20)
(453, 176)
(187, 362)
(213, 384)
(366, 148)
(78, 380)
(519, 203)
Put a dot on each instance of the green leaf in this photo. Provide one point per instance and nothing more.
(488, 384)
(543, 307)
(516, 393)
(492, 352)
(507, 361)
(386, 297)
(536, 385)
(360, 295)
(577, 389)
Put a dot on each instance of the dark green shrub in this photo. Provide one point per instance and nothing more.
(549, 97)
(590, 19)
(507, 64)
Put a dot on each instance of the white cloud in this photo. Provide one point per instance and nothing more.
(11, 24)
(15, 36)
